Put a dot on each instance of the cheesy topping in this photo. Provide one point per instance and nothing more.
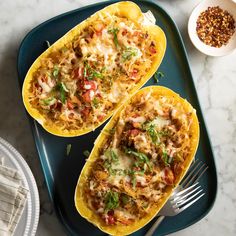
(142, 157)
(77, 86)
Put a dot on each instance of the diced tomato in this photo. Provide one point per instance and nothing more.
(100, 117)
(126, 221)
(78, 73)
(86, 96)
(90, 85)
(85, 112)
(152, 49)
(134, 73)
(134, 132)
(178, 168)
(111, 220)
(99, 33)
(70, 105)
(168, 176)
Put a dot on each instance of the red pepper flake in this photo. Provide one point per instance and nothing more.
(215, 26)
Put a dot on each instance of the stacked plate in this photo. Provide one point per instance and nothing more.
(30, 217)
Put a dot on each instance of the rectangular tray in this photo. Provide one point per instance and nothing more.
(61, 172)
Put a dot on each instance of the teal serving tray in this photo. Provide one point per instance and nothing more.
(61, 171)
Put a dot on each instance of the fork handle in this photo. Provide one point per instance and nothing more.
(151, 231)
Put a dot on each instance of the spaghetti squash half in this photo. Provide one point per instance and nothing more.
(77, 83)
(138, 159)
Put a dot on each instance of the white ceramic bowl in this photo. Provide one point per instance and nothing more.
(230, 6)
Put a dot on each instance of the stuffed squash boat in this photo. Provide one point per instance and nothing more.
(138, 159)
(76, 84)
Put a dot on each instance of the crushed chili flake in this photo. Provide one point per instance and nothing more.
(215, 26)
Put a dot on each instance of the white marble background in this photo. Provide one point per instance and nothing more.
(215, 79)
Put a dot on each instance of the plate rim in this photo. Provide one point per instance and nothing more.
(29, 180)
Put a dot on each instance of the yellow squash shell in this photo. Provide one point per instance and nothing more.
(126, 9)
(80, 201)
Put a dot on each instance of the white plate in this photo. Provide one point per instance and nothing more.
(29, 221)
(230, 6)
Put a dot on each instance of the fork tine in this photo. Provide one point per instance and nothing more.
(202, 173)
(183, 191)
(194, 177)
(189, 204)
(193, 168)
(181, 198)
(182, 202)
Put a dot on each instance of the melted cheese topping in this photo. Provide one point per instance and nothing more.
(91, 74)
(141, 158)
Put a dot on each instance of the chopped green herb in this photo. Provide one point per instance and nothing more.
(125, 199)
(166, 158)
(153, 133)
(63, 90)
(119, 171)
(111, 200)
(163, 133)
(55, 71)
(90, 73)
(141, 156)
(161, 74)
(68, 149)
(150, 128)
(157, 76)
(103, 69)
(95, 102)
(96, 74)
(64, 87)
(63, 95)
(114, 31)
(48, 43)
(112, 158)
(134, 181)
(86, 153)
(128, 53)
(86, 66)
(48, 101)
(131, 173)
(107, 165)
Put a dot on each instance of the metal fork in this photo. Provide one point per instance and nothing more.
(187, 193)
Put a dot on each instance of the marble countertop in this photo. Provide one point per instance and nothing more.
(215, 80)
